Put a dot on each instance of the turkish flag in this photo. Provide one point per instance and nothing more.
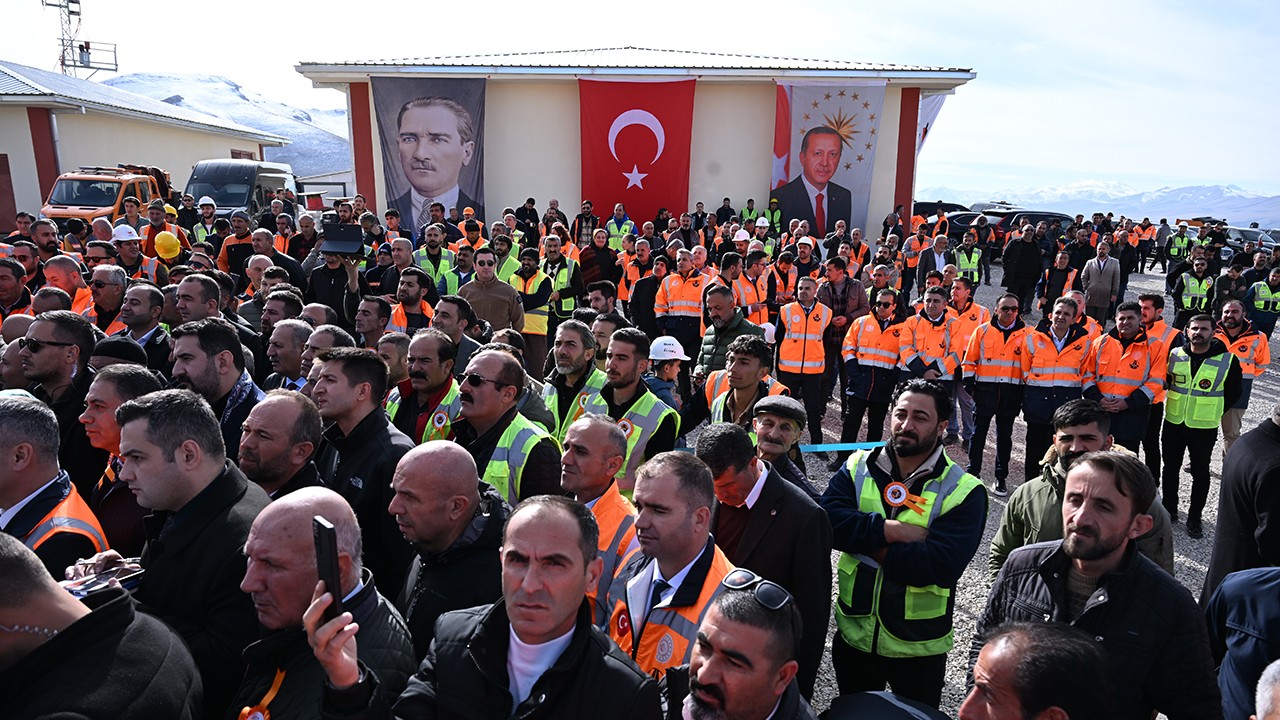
(635, 146)
(781, 173)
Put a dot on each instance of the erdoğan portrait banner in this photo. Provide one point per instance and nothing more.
(824, 147)
(635, 146)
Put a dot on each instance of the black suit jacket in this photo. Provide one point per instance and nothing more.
(928, 264)
(404, 204)
(793, 201)
(158, 348)
(788, 540)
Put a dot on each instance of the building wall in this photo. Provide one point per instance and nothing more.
(533, 146)
(15, 141)
(107, 140)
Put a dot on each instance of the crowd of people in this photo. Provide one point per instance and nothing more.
(563, 463)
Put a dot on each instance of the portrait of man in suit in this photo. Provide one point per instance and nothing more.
(812, 196)
(436, 139)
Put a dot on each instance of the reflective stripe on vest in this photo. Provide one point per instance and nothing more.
(877, 614)
(639, 423)
(71, 515)
(1265, 299)
(1195, 291)
(802, 351)
(1196, 401)
(1119, 387)
(535, 319)
(506, 465)
(423, 261)
(400, 319)
(587, 401)
(561, 282)
(446, 413)
(967, 263)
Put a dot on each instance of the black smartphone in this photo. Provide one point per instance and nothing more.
(327, 563)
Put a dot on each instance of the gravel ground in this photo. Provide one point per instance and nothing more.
(1191, 556)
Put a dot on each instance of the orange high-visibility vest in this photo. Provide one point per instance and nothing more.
(930, 343)
(1118, 371)
(92, 316)
(750, 292)
(873, 346)
(915, 245)
(967, 322)
(400, 319)
(718, 384)
(1164, 333)
(1044, 365)
(679, 296)
(801, 350)
(72, 515)
(1251, 349)
(994, 358)
(616, 518)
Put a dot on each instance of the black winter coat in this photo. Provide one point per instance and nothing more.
(465, 676)
(114, 663)
(382, 644)
(468, 573)
(194, 565)
(1148, 625)
(359, 467)
(1248, 533)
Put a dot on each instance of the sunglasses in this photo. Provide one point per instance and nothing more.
(101, 284)
(1007, 309)
(884, 304)
(769, 594)
(36, 346)
(477, 380)
(89, 259)
(485, 263)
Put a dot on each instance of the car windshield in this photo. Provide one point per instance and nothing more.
(228, 186)
(89, 193)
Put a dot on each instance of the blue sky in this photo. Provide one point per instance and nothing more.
(1136, 91)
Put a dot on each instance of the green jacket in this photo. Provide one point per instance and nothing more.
(715, 343)
(1034, 514)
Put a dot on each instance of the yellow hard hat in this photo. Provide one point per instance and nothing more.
(167, 245)
(168, 210)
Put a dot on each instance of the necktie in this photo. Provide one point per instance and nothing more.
(820, 216)
(655, 593)
(424, 210)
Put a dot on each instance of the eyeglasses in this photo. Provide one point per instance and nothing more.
(477, 380)
(884, 304)
(101, 284)
(1008, 308)
(485, 263)
(770, 595)
(90, 259)
(35, 346)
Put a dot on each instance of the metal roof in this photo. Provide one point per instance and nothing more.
(634, 60)
(22, 84)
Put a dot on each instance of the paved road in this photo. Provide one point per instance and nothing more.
(1191, 556)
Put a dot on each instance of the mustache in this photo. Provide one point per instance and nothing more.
(465, 397)
(419, 165)
(418, 375)
(713, 690)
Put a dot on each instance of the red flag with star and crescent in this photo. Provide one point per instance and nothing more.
(635, 145)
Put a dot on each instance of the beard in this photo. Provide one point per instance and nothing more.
(909, 444)
(700, 710)
(1087, 544)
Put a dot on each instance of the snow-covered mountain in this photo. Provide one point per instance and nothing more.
(1238, 206)
(319, 144)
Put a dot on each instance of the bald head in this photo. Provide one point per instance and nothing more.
(436, 491)
(281, 573)
(15, 326)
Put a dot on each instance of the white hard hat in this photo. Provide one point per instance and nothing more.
(762, 222)
(769, 332)
(741, 235)
(667, 348)
(206, 200)
(124, 233)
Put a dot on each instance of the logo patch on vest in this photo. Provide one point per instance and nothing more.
(626, 427)
(356, 482)
(897, 495)
(1205, 384)
(666, 646)
(1133, 365)
(624, 625)
(439, 419)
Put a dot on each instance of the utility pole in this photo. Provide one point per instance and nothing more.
(80, 55)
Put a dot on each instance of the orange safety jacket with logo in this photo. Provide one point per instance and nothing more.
(800, 350)
(1091, 327)
(679, 296)
(400, 319)
(1253, 350)
(785, 284)
(914, 246)
(1132, 372)
(994, 356)
(967, 322)
(663, 636)
(616, 518)
(1052, 376)
(70, 515)
(1165, 334)
(752, 292)
(91, 315)
(929, 344)
(874, 348)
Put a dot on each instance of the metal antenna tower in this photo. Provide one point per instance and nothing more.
(79, 55)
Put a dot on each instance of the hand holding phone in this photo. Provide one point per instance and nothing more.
(326, 539)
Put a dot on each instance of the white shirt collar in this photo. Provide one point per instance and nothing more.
(754, 496)
(813, 191)
(675, 580)
(145, 338)
(448, 198)
(9, 514)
